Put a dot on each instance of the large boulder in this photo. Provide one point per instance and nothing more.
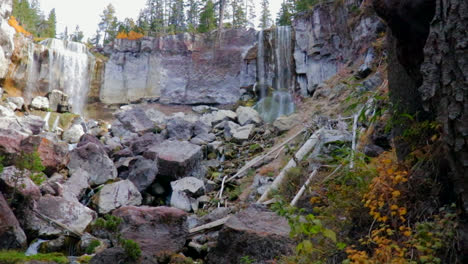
(236, 132)
(248, 115)
(11, 178)
(142, 172)
(180, 129)
(255, 232)
(178, 159)
(71, 214)
(16, 102)
(135, 120)
(76, 185)
(4, 111)
(94, 160)
(14, 129)
(156, 229)
(40, 103)
(73, 134)
(285, 123)
(52, 153)
(56, 99)
(11, 234)
(115, 195)
(190, 185)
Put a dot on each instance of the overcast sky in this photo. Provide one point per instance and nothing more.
(85, 13)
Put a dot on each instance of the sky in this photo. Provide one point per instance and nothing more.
(85, 13)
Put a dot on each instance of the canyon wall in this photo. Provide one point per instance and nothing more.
(180, 69)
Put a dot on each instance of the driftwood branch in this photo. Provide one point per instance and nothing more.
(303, 188)
(208, 226)
(306, 148)
(256, 160)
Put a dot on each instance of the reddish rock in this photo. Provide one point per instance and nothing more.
(255, 232)
(178, 159)
(24, 185)
(155, 229)
(52, 154)
(11, 234)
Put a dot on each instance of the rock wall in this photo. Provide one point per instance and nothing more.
(329, 36)
(6, 37)
(180, 69)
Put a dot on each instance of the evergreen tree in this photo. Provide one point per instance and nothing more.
(108, 24)
(78, 35)
(52, 24)
(239, 19)
(177, 17)
(284, 17)
(192, 13)
(251, 13)
(207, 17)
(304, 5)
(265, 18)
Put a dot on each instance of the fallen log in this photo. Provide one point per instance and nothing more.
(208, 226)
(303, 188)
(306, 148)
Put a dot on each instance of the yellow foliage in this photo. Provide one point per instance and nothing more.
(132, 35)
(14, 23)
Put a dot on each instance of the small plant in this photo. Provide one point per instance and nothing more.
(247, 260)
(27, 162)
(92, 246)
(109, 222)
(14, 257)
(132, 249)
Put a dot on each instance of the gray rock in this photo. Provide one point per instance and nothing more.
(11, 234)
(94, 161)
(155, 229)
(87, 239)
(190, 185)
(4, 111)
(73, 134)
(371, 84)
(72, 214)
(135, 120)
(372, 150)
(366, 68)
(247, 115)
(158, 117)
(40, 103)
(57, 99)
(285, 123)
(116, 195)
(75, 187)
(18, 102)
(142, 172)
(24, 185)
(203, 109)
(181, 200)
(180, 129)
(237, 132)
(178, 159)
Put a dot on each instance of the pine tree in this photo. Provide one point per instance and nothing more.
(207, 17)
(251, 13)
(284, 17)
(265, 18)
(78, 35)
(304, 5)
(177, 17)
(193, 14)
(52, 24)
(239, 19)
(108, 24)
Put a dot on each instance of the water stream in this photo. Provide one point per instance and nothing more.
(33, 249)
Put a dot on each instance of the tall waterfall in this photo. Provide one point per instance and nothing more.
(280, 101)
(69, 70)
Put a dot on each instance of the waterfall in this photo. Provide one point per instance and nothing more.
(34, 247)
(55, 125)
(280, 102)
(69, 67)
(261, 65)
(32, 73)
(46, 121)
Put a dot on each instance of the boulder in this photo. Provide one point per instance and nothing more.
(87, 239)
(182, 201)
(218, 117)
(57, 99)
(285, 123)
(32, 123)
(94, 161)
(200, 128)
(142, 172)
(11, 234)
(73, 134)
(156, 229)
(71, 214)
(40, 103)
(255, 232)
(135, 120)
(247, 115)
(180, 129)
(115, 195)
(158, 117)
(76, 185)
(17, 102)
(24, 185)
(114, 255)
(237, 132)
(120, 131)
(5, 111)
(141, 144)
(53, 154)
(10, 140)
(177, 159)
(190, 185)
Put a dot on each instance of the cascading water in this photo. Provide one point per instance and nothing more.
(280, 102)
(69, 64)
(34, 247)
(32, 73)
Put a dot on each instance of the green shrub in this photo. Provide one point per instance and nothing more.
(132, 249)
(92, 246)
(109, 222)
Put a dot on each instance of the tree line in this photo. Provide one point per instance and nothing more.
(162, 17)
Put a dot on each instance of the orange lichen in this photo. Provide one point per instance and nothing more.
(132, 35)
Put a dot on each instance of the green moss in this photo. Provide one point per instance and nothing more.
(84, 259)
(92, 246)
(66, 120)
(132, 249)
(109, 222)
(16, 257)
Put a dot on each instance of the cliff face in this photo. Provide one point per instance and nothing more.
(180, 69)
(6, 37)
(329, 36)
